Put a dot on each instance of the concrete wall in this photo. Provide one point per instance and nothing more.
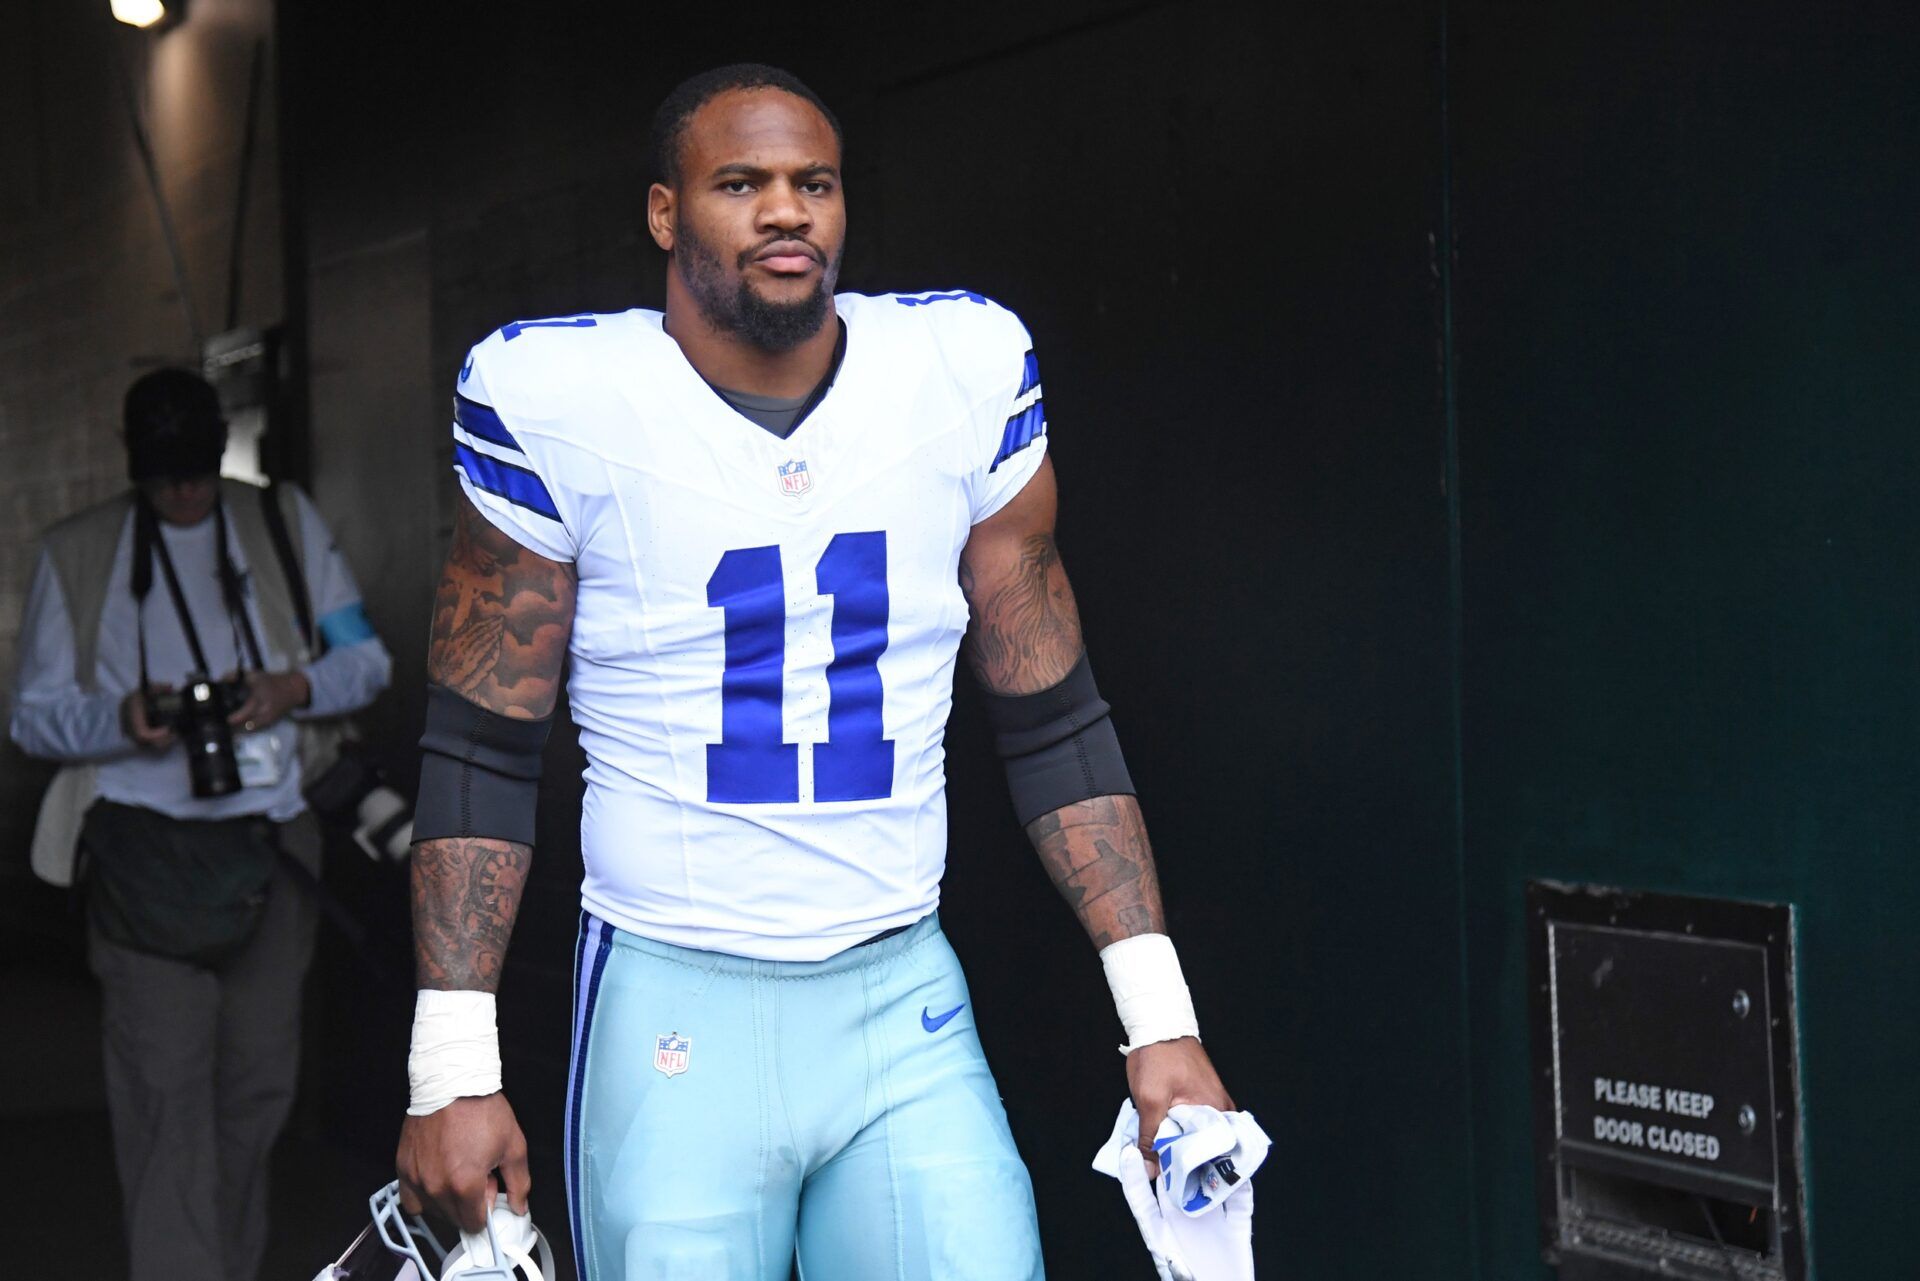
(87, 290)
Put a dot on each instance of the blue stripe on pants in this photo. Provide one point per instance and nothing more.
(596, 937)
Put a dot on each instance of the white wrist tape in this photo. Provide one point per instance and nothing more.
(456, 1050)
(1149, 990)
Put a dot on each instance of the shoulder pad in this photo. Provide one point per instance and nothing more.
(982, 342)
(553, 354)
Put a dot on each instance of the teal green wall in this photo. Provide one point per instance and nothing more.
(1688, 374)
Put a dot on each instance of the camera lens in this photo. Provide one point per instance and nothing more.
(208, 738)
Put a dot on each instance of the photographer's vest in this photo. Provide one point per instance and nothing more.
(82, 549)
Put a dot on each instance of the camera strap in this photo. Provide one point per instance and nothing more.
(290, 569)
(149, 546)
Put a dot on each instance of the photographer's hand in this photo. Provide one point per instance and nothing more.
(270, 695)
(133, 722)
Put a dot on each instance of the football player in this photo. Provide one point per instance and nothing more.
(761, 524)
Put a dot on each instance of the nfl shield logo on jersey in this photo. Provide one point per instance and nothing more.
(794, 478)
(671, 1052)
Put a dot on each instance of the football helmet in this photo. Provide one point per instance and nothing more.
(398, 1246)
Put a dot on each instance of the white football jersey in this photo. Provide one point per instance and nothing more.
(765, 634)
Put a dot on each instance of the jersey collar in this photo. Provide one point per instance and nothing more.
(814, 397)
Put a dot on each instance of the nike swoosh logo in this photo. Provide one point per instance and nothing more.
(933, 1023)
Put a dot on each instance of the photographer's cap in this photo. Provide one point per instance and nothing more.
(174, 427)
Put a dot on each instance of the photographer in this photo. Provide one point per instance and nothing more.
(164, 659)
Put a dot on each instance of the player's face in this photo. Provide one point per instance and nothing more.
(759, 220)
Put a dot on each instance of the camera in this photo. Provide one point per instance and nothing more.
(198, 713)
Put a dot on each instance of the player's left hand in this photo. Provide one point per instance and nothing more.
(270, 695)
(1169, 1072)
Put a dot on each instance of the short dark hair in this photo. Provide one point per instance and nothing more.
(670, 120)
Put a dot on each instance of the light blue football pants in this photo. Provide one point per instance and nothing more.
(725, 1115)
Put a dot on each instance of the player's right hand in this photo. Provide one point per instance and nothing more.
(447, 1161)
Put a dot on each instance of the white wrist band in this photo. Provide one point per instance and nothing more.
(456, 1050)
(1149, 990)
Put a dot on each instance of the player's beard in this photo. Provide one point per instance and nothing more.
(737, 309)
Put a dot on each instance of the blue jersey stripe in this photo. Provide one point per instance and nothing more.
(1023, 429)
(1030, 377)
(512, 331)
(480, 420)
(515, 484)
(922, 300)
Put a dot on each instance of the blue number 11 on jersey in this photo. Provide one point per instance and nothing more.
(752, 764)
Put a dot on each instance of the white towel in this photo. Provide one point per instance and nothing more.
(1197, 1217)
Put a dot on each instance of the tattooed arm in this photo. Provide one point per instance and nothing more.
(1024, 636)
(501, 620)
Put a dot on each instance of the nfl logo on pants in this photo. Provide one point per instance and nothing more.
(671, 1052)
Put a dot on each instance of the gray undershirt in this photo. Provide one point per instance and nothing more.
(775, 413)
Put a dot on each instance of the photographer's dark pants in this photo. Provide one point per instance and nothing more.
(201, 1067)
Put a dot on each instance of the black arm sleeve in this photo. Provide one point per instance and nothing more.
(1059, 745)
(479, 771)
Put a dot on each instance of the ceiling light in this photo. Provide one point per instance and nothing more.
(139, 13)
